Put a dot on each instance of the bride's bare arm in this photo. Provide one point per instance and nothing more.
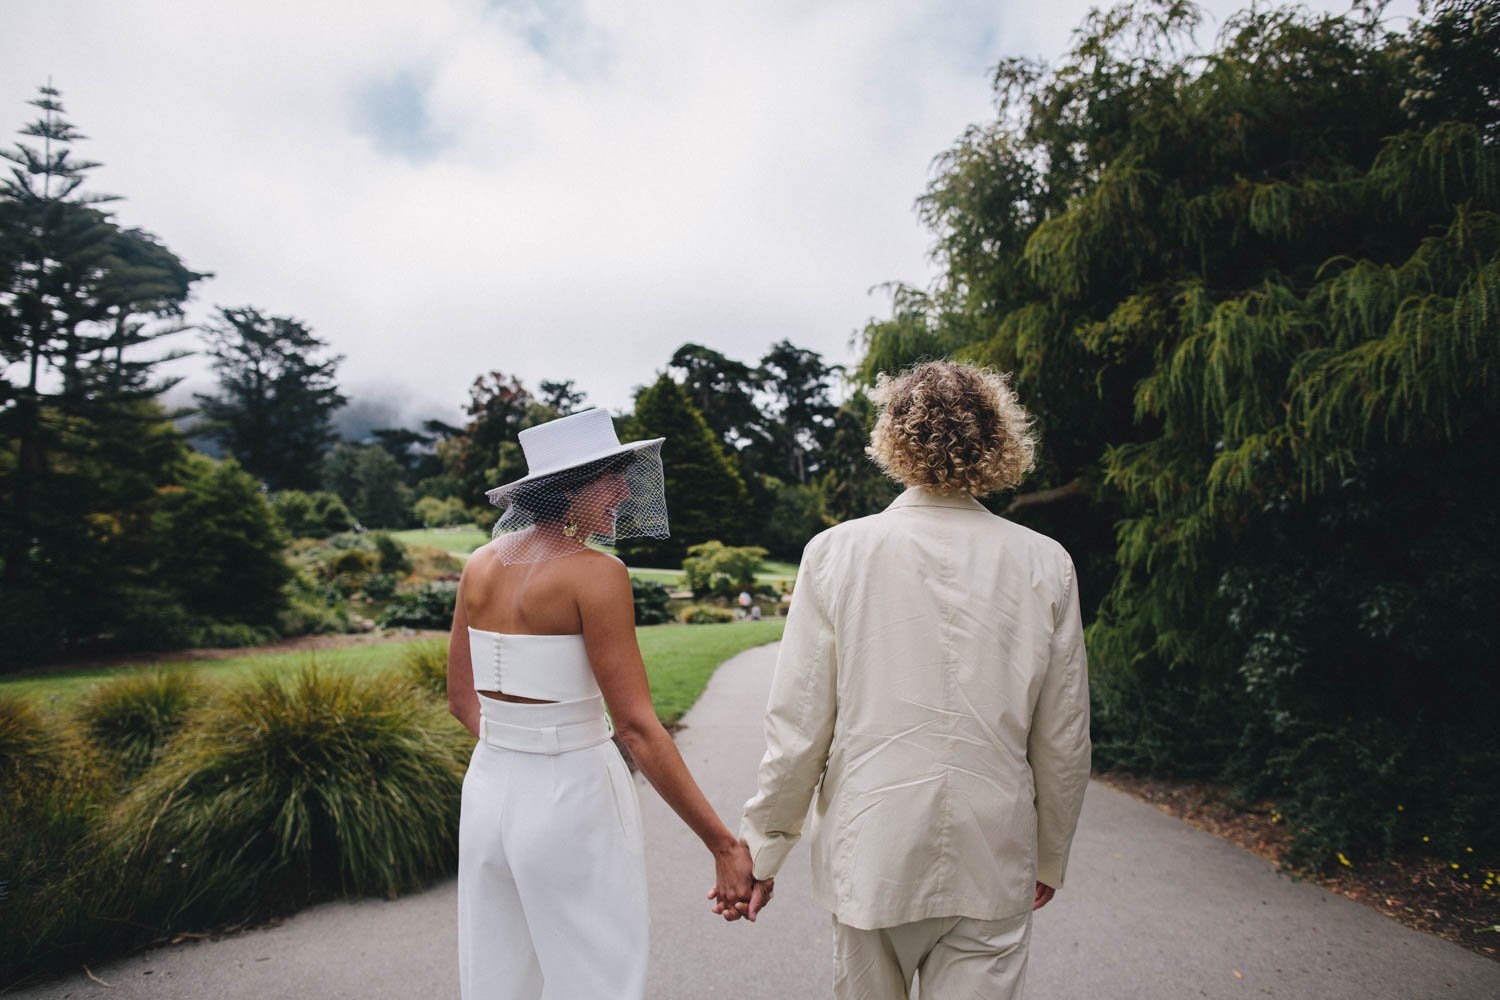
(608, 612)
(463, 700)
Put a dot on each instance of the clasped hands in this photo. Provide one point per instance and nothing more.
(738, 893)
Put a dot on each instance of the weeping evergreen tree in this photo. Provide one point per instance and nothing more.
(1253, 296)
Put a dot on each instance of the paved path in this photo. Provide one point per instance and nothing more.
(1154, 909)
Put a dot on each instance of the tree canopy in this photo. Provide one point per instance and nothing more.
(1251, 295)
(276, 396)
(705, 495)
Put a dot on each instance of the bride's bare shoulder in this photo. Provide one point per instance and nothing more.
(597, 568)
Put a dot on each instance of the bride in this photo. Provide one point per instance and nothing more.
(551, 872)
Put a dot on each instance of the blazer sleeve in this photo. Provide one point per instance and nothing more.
(798, 726)
(1058, 745)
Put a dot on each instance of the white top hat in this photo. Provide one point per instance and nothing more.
(566, 443)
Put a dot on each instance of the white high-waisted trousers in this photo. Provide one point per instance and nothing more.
(551, 870)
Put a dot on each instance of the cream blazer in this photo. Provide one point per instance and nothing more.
(931, 704)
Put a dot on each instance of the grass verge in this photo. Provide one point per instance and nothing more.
(679, 661)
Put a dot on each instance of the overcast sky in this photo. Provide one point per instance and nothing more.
(564, 190)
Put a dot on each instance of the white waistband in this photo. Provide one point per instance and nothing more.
(552, 728)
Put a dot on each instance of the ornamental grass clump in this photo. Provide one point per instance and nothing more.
(288, 789)
(52, 793)
(130, 718)
(426, 665)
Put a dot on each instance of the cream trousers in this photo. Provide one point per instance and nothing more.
(959, 958)
(551, 872)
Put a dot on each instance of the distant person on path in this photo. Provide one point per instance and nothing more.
(551, 870)
(745, 600)
(933, 678)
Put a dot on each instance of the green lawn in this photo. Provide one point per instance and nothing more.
(679, 661)
(459, 541)
(463, 541)
(681, 658)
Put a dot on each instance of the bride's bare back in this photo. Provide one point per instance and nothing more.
(536, 598)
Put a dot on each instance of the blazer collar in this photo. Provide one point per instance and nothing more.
(921, 496)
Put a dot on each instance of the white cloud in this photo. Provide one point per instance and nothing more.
(590, 184)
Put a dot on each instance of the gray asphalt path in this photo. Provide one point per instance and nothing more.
(1154, 909)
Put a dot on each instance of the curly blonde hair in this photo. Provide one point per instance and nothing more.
(951, 427)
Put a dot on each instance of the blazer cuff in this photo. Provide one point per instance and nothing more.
(1050, 872)
(767, 851)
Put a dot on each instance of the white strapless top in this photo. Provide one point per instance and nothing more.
(544, 667)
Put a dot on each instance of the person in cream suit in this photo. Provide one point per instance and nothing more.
(930, 704)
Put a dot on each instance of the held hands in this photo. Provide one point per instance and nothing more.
(760, 895)
(737, 893)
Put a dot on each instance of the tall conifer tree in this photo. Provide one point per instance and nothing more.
(705, 495)
(277, 395)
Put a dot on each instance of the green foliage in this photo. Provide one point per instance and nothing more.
(799, 420)
(796, 514)
(650, 601)
(433, 512)
(383, 500)
(312, 606)
(704, 614)
(486, 453)
(52, 793)
(715, 569)
(723, 390)
(222, 546)
(1250, 296)
(394, 557)
(426, 666)
(287, 789)
(132, 717)
(85, 448)
(705, 494)
(311, 515)
(429, 606)
(853, 485)
(276, 398)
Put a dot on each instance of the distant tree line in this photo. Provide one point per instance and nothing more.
(120, 531)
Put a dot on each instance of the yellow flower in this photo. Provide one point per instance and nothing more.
(1400, 808)
(1469, 849)
(1426, 839)
(1343, 859)
(1453, 864)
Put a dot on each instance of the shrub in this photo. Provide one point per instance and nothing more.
(131, 717)
(429, 606)
(426, 665)
(329, 514)
(311, 515)
(221, 547)
(393, 555)
(704, 614)
(650, 602)
(312, 606)
(440, 513)
(351, 565)
(714, 568)
(287, 789)
(380, 586)
(233, 634)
